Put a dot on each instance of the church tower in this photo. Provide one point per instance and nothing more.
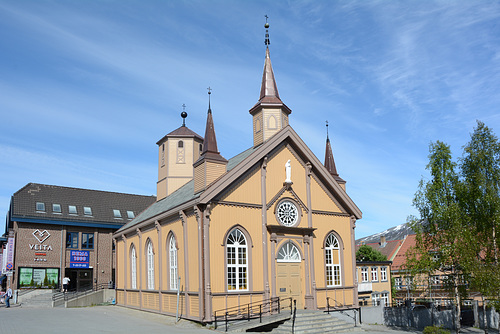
(330, 162)
(177, 152)
(270, 114)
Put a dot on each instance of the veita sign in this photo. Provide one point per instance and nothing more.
(41, 236)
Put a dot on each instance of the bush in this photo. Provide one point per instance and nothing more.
(435, 330)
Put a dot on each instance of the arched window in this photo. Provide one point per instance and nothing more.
(172, 251)
(257, 125)
(332, 260)
(271, 122)
(133, 268)
(288, 253)
(180, 144)
(237, 261)
(151, 266)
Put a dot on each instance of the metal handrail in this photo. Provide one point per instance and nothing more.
(251, 310)
(343, 309)
(71, 294)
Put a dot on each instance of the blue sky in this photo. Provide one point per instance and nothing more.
(88, 87)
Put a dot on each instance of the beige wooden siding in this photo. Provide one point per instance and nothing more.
(248, 190)
(150, 300)
(320, 199)
(133, 298)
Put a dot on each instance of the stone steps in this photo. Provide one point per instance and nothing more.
(314, 322)
(37, 298)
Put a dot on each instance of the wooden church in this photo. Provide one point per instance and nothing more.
(271, 222)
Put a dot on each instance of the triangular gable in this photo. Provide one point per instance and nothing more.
(289, 135)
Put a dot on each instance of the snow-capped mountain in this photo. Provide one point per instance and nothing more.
(394, 233)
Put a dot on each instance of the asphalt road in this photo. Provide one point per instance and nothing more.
(116, 319)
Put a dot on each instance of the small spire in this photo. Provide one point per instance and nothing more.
(267, 41)
(210, 142)
(184, 114)
(329, 161)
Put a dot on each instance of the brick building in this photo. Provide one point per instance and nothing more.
(60, 231)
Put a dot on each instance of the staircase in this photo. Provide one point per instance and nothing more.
(314, 322)
(36, 298)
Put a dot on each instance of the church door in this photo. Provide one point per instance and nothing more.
(289, 281)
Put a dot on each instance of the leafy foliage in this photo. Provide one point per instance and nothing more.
(366, 253)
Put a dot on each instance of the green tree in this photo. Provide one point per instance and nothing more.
(366, 253)
(439, 231)
(480, 200)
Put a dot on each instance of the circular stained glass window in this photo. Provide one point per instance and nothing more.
(287, 213)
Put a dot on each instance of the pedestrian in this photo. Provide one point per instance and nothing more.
(65, 283)
(8, 296)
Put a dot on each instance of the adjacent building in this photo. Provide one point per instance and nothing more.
(55, 231)
(272, 221)
(374, 283)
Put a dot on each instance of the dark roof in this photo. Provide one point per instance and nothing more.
(330, 162)
(389, 248)
(182, 195)
(101, 203)
(183, 132)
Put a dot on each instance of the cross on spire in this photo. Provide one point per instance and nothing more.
(267, 41)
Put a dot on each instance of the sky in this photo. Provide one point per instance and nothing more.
(87, 88)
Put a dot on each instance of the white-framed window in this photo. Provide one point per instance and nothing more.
(332, 260)
(375, 299)
(151, 266)
(383, 274)
(364, 274)
(398, 282)
(172, 250)
(133, 268)
(374, 272)
(237, 261)
(385, 298)
(288, 253)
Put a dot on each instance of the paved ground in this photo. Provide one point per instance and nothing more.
(115, 319)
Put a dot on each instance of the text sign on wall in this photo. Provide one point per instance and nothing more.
(10, 254)
(79, 259)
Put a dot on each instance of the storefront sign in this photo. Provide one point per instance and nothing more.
(41, 236)
(79, 259)
(10, 254)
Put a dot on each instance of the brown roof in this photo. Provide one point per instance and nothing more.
(101, 203)
(330, 162)
(389, 249)
(400, 258)
(182, 131)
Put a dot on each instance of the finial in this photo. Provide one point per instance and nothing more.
(209, 93)
(267, 41)
(326, 129)
(184, 114)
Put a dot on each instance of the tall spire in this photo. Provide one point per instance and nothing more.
(329, 161)
(268, 89)
(210, 142)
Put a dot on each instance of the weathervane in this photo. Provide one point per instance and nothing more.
(267, 41)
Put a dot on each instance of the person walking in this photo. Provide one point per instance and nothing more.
(8, 296)
(65, 283)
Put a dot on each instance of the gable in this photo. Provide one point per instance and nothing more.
(321, 199)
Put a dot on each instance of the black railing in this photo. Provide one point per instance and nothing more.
(74, 293)
(339, 307)
(252, 310)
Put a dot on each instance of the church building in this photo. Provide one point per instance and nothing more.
(272, 221)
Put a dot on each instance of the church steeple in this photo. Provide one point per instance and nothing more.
(270, 114)
(330, 162)
(211, 164)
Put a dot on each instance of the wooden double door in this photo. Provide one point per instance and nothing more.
(289, 281)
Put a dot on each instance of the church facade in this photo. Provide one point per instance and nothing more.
(273, 221)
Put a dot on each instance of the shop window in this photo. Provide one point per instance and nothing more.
(72, 240)
(87, 240)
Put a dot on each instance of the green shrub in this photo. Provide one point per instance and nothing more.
(435, 330)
